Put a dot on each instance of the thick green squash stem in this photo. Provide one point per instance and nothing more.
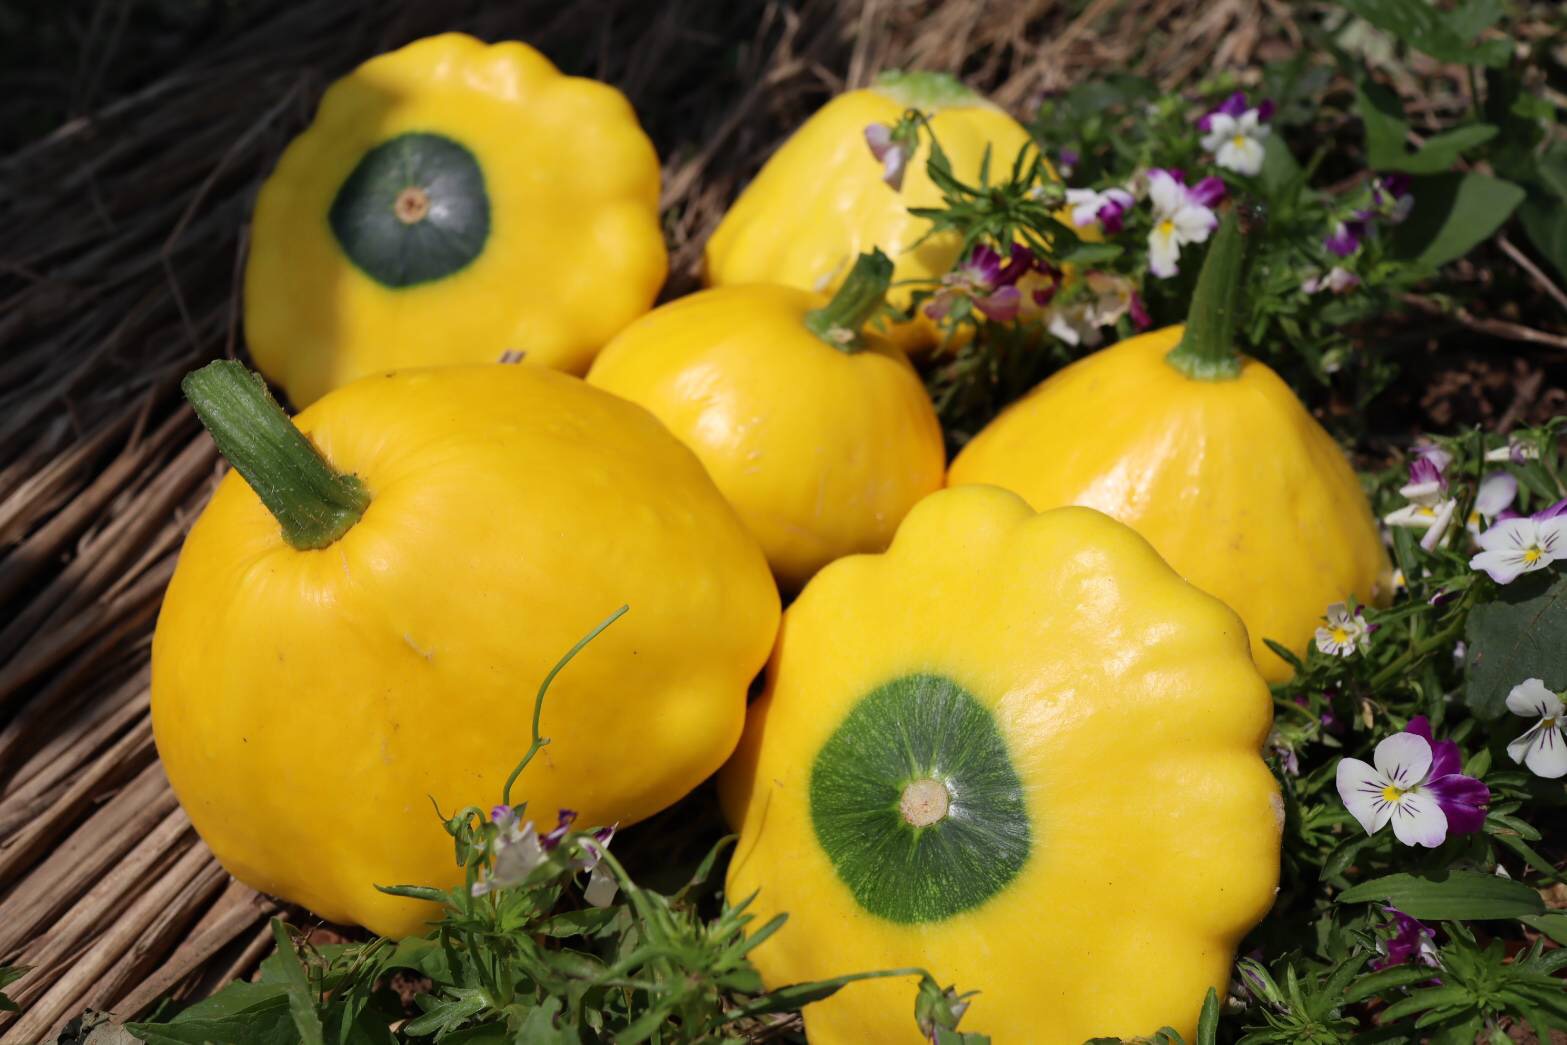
(314, 504)
(839, 321)
(1207, 348)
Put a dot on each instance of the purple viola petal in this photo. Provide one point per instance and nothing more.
(1068, 158)
(1344, 239)
(1420, 726)
(1446, 759)
(1232, 106)
(1409, 934)
(1002, 306)
(1395, 185)
(1265, 110)
(1206, 193)
(563, 824)
(1112, 216)
(1022, 260)
(1551, 512)
(500, 814)
(982, 268)
(1463, 799)
(1139, 312)
(1423, 469)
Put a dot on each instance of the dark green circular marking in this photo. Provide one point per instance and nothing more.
(914, 729)
(414, 210)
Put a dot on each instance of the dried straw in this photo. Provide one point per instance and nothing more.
(125, 234)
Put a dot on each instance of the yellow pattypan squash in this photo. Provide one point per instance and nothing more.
(367, 633)
(822, 437)
(1210, 456)
(820, 200)
(1015, 750)
(452, 202)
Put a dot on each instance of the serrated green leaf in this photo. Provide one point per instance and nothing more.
(1520, 636)
(1449, 896)
(1453, 213)
(301, 999)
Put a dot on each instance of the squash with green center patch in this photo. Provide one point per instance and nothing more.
(1016, 750)
(451, 203)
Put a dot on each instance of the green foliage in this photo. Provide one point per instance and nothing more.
(1519, 636)
(1450, 895)
(521, 953)
(9, 974)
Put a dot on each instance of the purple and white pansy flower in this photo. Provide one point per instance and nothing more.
(1234, 133)
(1337, 280)
(1182, 214)
(514, 853)
(1543, 749)
(1106, 208)
(1391, 196)
(986, 280)
(1524, 544)
(1429, 507)
(517, 850)
(892, 150)
(1411, 939)
(1416, 784)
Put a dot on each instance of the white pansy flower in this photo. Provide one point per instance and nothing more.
(1390, 791)
(1345, 632)
(1518, 546)
(1236, 141)
(1495, 495)
(1182, 214)
(1543, 749)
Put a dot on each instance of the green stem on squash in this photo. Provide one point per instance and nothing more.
(314, 503)
(1207, 349)
(926, 91)
(839, 321)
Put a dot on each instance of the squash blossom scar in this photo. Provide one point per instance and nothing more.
(924, 802)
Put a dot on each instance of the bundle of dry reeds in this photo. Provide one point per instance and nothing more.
(124, 235)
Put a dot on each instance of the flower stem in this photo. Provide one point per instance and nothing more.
(538, 701)
(1207, 349)
(839, 321)
(314, 503)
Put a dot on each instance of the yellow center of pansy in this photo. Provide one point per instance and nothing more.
(1340, 635)
(1391, 794)
(1532, 554)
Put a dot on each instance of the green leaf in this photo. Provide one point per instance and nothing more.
(1545, 224)
(1552, 925)
(1420, 1001)
(1280, 171)
(1452, 214)
(301, 999)
(268, 1023)
(1379, 983)
(1520, 636)
(1449, 896)
(9, 974)
(1443, 35)
(1387, 134)
(1208, 1020)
